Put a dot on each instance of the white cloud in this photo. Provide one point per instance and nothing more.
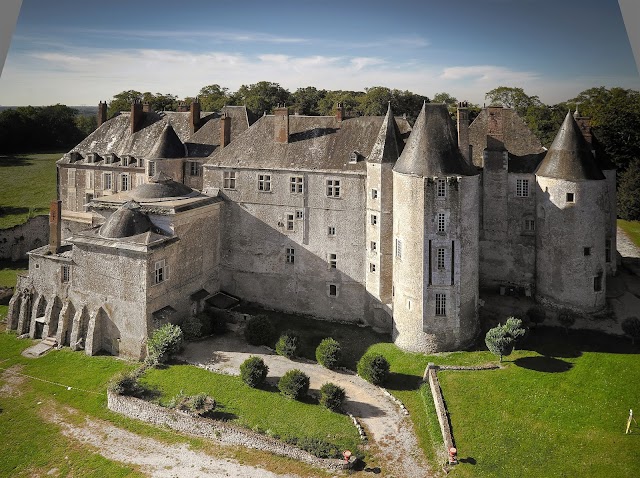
(486, 73)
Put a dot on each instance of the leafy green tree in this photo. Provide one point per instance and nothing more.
(213, 97)
(445, 98)
(164, 343)
(375, 101)
(511, 97)
(122, 102)
(160, 101)
(407, 102)
(629, 193)
(262, 96)
(87, 124)
(306, 100)
(514, 328)
(566, 318)
(499, 342)
(348, 99)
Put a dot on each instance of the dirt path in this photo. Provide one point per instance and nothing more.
(386, 425)
(152, 457)
(625, 246)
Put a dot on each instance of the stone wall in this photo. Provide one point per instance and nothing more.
(16, 241)
(222, 432)
(441, 409)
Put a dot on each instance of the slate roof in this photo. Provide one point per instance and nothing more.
(432, 149)
(389, 143)
(315, 143)
(569, 156)
(168, 145)
(161, 186)
(525, 164)
(126, 221)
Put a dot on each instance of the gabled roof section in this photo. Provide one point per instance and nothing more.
(569, 156)
(432, 149)
(389, 144)
(168, 145)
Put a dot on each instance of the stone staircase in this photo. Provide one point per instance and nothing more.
(40, 348)
(50, 342)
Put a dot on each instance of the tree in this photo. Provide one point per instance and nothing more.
(253, 371)
(536, 314)
(213, 97)
(306, 100)
(511, 97)
(87, 124)
(629, 193)
(499, 342)
(164, 343)
(375, 101)
(514, 329)
(406, 102)
(566, 319)
(348, 99)
(294, 384)
(445, 98)
(631, 327)
(287, 344)
(122, 102)
(160, 101)
(329, 353)
(373, 368)
(262, 96)
(331, 396)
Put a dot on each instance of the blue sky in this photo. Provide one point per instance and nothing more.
(80, 52)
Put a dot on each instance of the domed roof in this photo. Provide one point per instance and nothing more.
(168, 145)
(160, 186)
(432, 148)
(127, 221)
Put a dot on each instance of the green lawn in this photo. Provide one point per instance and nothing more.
(27, 186)
(632, 228)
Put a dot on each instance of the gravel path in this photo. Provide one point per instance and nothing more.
(387, 427)
(625, 247)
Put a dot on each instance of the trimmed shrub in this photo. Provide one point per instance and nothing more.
(316, 447)
(566, 319)
(331, 396)
(631, 327)
(373, 368)
(536, 315)
(200, 404)
(329, 353)
(259, 330)
(191, 328)
(499, 342)
(253, 371)
(287, 344)
(294, 384)
(126, 383)
(514, 329)
(164, 343)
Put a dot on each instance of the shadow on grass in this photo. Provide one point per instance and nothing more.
(554, 342)
(13, 211)
(544, 364)
(469, 460)
(402, 382)
(11, 160)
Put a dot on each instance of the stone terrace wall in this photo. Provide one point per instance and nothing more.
(216, 430)
(16, 241)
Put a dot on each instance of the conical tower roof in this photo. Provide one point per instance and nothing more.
(569, 156)
(388, 145)
(126, 221)
(168, 145)
(432, 148)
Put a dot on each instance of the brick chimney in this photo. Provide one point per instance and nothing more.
(281, 124)
(225, 130)
(146, 107)
(136, 115)
(102, 113)
(182, 107)
(495, 132)
(195, 115)
(340, 112)
(463, 130)
(55, 226)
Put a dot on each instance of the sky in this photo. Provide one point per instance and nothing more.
(81, 52)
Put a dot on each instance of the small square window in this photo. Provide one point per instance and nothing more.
(291, 255)
(264, 182)
(374, 194)
(229, 180)
(374, 246)
(333, 188)
(441, 188)
(372, 267)
(296, 184)
(529, 225)
(333, 261)
(299, 214)
(587, 251)
(290, 223)
(374, 219)
(570, 197)
(331, 231)
(333, 290)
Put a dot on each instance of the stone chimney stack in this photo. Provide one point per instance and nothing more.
(136, 115)
(340, 112)
(55, 226)
(146, 107)
(225, 130)
(281, 124)
(102, 113)
(463, 130)
(182, 107)
(195, 115)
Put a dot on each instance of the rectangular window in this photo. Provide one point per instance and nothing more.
(333, 261)
(229, 180)
(374, 219)
(291, 255)
(333, 290)
(374, 246)
(441, 222)
(399, 248)
(124, 182)
(139, 179)
(152, 168)
(607, 250)
(440, 257)
(441, 188)
(529, 225)
(89, 180)
(195, 168)
(106, 182)
(296, 184)
(264, 182)
(441, 304)
(331, 231)
(290, 222)
(570, 197)
(333, 188)
(522, 188)
(374, 194)
(125, 160)
(159, 272)
(71, 178)
(299, 214)
(597, 283)
(587, 251)
(372, 267)
(66, 273)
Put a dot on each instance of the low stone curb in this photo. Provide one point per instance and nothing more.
(219, 431)
(356, 423)
(395, 400)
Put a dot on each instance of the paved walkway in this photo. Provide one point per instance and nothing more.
(390, 430)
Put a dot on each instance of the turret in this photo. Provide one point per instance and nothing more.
(572, 215)
(435, 233)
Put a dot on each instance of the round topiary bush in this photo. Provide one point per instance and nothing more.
(259, 330)
(566, 318)
(373, 368)
(191, 328)
(331, 396)
(329, 353)
(287, 344)
(164, 343)
(253, 371)
(294, 384)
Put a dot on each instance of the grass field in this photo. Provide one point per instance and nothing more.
(632, 228)
(27, 186)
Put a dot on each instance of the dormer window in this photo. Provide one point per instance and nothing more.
(125, 161)
(91, 158)
(353, 157)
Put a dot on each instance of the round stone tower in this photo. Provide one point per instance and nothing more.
(436, 235)
(572, 223)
